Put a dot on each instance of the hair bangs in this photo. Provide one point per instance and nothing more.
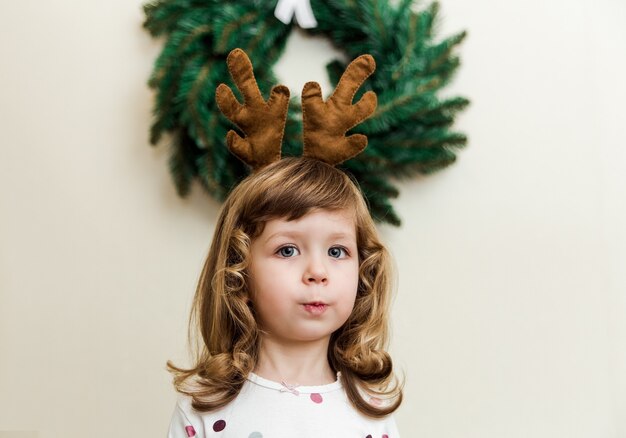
(293, 187)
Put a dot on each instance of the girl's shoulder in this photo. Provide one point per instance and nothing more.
(188, 422)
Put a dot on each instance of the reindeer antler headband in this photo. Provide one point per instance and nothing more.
(325, 123)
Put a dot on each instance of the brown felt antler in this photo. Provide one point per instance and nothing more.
(326, 123)
(263, 123)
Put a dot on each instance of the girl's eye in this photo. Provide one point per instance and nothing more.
(288, 251)
(337, 252)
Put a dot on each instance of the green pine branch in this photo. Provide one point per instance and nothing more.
(410, 133)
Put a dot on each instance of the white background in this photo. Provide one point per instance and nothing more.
(510, 314)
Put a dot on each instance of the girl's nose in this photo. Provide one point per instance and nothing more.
(315, 272)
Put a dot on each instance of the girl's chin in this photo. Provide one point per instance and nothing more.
(304, 337)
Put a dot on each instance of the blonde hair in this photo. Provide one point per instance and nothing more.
(224, 316)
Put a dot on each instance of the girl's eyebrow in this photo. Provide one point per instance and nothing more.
(283, 233)
(293, 234)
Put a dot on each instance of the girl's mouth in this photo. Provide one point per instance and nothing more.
(315, 308)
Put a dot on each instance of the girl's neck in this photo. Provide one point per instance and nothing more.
(302, 363)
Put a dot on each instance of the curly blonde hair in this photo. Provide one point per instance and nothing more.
(222, 312)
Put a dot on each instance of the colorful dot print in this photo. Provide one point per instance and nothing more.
(219, 425)
(310, 409)
(317, 398)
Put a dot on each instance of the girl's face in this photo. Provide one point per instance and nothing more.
(304, 275)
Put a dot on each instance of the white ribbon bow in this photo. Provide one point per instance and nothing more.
(285, 10)
(289, 388)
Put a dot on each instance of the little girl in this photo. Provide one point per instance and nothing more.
(292, 303)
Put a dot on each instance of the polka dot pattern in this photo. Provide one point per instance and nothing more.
(317, 398)
(219, 425)
(333, 400)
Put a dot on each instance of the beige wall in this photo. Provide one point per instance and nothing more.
(509, 320)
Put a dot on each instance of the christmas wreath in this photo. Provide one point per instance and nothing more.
(410, 132)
